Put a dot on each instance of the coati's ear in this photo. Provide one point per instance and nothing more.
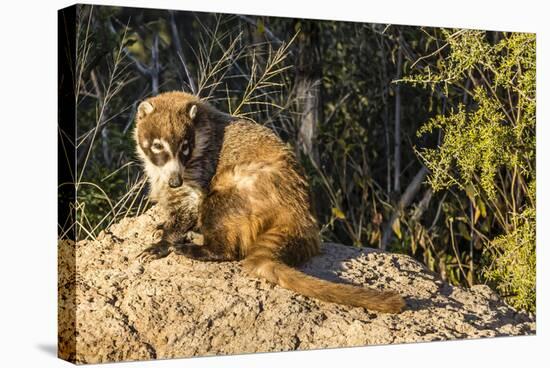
(192, 111)
(144, 109)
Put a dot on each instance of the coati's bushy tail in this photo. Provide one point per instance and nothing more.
(262, 263)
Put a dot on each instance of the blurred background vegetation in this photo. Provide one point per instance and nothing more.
(416, 140)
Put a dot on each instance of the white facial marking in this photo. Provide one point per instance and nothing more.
(171, 167)
(160, 145)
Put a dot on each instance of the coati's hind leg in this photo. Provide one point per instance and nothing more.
(222, 212)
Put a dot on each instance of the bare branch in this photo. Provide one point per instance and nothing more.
(404, 202)
(179, 51)
(270, 35)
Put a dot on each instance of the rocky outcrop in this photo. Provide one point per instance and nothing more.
(176, 307)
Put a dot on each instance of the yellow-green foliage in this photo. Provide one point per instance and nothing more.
(513, 267)
(487, 148)
(476, 144)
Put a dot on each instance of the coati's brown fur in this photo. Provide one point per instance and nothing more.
(244, 188)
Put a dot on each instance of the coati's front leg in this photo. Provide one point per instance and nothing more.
(219, 236)
(177, 229)
(206, 252)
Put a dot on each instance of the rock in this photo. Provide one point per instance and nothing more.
(176, 307)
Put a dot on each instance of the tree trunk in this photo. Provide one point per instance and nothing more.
(397, 136)
(308, 88)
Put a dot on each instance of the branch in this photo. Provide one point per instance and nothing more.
(268, 33)
(404, 202)
(155, 65)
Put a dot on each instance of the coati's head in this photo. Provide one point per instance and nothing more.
(165, 136)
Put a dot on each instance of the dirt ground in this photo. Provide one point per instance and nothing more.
(176, 307)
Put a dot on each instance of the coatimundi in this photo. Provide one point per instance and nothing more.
(240, 186)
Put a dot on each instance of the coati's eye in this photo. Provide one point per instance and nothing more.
(185, 149)
(157, 147)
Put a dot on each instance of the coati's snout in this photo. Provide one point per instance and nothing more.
(175, 181)
(171, 173)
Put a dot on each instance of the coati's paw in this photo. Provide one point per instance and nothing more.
(182, 249)
(156, 251)
(194, 238)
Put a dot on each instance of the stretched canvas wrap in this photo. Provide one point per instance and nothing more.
(235, 184)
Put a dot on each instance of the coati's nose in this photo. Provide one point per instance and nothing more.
(175, 181)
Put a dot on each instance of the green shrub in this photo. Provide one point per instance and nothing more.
(487, 149)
